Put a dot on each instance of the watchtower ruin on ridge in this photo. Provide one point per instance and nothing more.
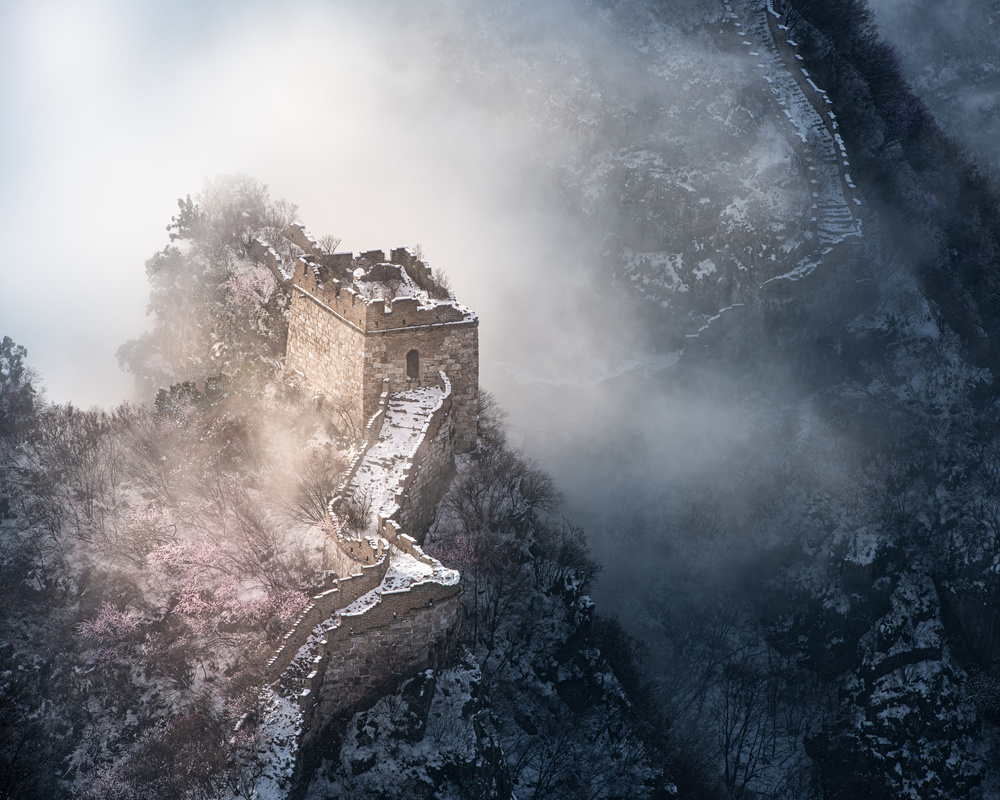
(356, 322)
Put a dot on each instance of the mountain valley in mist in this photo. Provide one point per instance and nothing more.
(733, 526)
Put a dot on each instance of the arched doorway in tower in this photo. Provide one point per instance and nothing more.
(413, 366)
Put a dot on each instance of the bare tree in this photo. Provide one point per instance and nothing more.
(442, 285)
(392, 287)
(351, 424)
(235, 209)
(356, 511)
(329, 242)
(315, 483)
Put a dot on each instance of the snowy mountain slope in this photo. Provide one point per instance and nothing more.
(684, 150)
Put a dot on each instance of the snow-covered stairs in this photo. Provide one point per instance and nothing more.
(831, 220)
(407, 417)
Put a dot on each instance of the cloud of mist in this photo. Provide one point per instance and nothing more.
(946, 21)
(362, 116)
(455, 125)
(950, 56)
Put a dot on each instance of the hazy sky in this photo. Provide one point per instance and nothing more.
(112, 110)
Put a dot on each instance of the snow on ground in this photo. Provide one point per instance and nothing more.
(405, 570)
(283, 725)
(378, 477)
(832, 219)
(363, 603)
(383, 466)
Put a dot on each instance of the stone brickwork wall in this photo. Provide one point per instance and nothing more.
(300, 237)
(373, 558)
(329, 357)
(344, 344)
(426, 482)
(352, 347)
(405, 633)
(818, 99)
(354, 638)
(452, 349)
(421, 489)
(372, 431)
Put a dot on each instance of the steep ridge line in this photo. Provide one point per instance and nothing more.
(835, 217)
(394, 576)
(833, 233)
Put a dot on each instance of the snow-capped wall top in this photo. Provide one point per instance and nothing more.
(371, 292)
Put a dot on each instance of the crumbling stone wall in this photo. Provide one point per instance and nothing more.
(818, 99)
(355, 352)
(372, 431)
(407, 632)
(433, 618)
(428, 478)
(373, 558)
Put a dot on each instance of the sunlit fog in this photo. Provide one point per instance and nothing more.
(115, 110)
(724, 520)
(487, 135)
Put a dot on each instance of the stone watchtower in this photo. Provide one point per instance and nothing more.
(356, 322)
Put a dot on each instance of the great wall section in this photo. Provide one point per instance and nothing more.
(393, 358)
(375, 339)
(829, 253)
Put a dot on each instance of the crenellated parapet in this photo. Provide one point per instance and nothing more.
(373, 563)
(358, 321)
(369, 298)
(395, 359)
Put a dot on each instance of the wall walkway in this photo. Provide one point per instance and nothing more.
(399, 609)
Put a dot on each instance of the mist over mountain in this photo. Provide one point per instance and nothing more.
(736, 266)
(949, 54)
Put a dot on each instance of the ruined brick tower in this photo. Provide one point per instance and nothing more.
(356, 322)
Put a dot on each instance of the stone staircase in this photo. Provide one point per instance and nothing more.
(833, 229)
(384, 465)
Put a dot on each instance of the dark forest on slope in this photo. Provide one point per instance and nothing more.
(796, 601)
